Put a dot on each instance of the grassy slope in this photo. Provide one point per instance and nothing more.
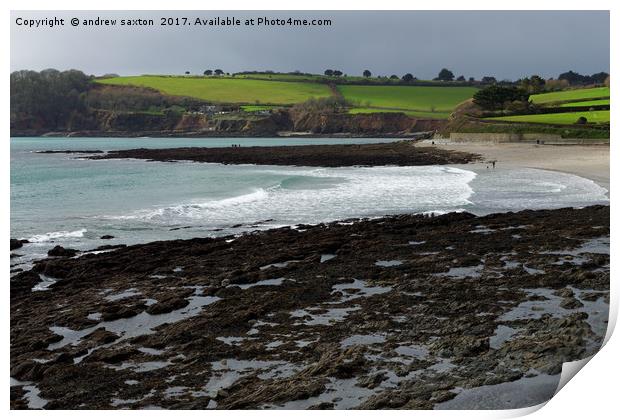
(420, 114)
(253, 108)
(561, 118)
(227, 90)
(586, 103)
(412, 98)
(570, 95)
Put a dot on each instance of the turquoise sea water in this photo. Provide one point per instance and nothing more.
(64, 199)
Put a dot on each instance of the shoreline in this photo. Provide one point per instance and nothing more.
(588, 161)
(399, 311)
(395, 312)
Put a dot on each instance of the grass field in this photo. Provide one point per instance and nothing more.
(408, 98)
(561, 118)
(571, 95)
(255, 108)
(227, 90)
(586, 103)
(420, 114)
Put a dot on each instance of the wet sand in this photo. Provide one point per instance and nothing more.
(590, 162)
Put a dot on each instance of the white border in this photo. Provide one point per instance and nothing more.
(592, 394)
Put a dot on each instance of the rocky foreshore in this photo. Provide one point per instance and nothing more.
(407, 311)
(402, 153)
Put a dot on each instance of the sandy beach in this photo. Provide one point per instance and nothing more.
(590, 162)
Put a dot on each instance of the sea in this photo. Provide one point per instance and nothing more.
(64, 199)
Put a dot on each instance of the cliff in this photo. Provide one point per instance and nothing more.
(133, 124)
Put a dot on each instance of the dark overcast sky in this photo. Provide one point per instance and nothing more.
(504, 44)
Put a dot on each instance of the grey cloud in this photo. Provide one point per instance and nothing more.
(504, 44)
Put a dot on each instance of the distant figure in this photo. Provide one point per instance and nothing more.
(433, 142)
(493, 164)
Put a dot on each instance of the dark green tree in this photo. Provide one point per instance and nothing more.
(445, 75)
(496, 97)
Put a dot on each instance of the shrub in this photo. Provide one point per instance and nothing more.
(321, 105)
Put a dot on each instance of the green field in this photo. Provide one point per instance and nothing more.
(596, 102)
(227, 90)
(570, 95)
(420, 114)
(561, 118)
(407, 98)
(255, 108)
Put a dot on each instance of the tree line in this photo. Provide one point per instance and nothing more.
(49, 98)
(533, 84)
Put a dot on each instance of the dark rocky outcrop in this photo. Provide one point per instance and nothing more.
(403, 153)
(59, 251)
(258, 321)
(17, 243)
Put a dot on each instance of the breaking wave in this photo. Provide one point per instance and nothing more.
(312, 196)
(63, 234)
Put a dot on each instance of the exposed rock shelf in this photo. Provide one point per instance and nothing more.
(402, 153)
(397, 312)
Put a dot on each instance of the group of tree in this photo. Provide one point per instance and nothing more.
(330, 72)
(444, 75)
(48, 98)
(217, 72)
(497, 97)
(574, 78)
(488, 80)
(136, 99)
(532, 84)
(330, 104)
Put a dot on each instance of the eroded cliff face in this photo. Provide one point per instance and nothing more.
(365, 124)
(112, 123)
